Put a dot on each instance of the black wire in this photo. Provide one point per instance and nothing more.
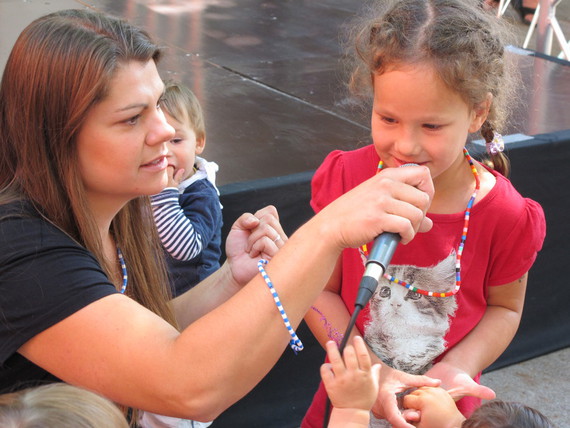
(357, 309)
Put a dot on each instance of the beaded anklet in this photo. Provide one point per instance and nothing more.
(295, 342)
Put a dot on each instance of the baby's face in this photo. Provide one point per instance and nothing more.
(183, 148)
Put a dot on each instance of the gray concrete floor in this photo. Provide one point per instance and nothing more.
(541, 383)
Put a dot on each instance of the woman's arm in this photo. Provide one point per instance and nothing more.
(125, 352)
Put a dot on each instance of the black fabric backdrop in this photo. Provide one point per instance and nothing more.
(539, 171)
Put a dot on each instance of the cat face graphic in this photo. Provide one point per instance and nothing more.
(406, 329)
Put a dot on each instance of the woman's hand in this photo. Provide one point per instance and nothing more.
(253, 236)
(458, 383)
(392, 384)
(396, 200)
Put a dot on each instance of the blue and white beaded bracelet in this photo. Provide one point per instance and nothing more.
(295, 342)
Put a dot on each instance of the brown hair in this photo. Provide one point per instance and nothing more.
(58, 405)
(505, 414)
(463, 43)
(60, 67)
(181, 103)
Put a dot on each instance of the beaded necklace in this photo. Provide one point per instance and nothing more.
(123, 269)
(461, 244)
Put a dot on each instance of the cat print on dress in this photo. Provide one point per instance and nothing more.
(406, 329)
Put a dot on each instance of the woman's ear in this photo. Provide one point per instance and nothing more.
(480, 113)
(200, 144)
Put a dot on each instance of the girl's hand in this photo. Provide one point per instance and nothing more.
(458, 383)
(437, 408)
(252, 237)
(392, 383)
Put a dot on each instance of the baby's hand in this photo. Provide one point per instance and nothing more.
(352, 383)
(174, 179)
(436, 406)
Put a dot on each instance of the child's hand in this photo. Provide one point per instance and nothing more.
(174, 179)
(352, 383)
(436, 406)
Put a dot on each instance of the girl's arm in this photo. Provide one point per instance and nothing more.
(485, 343)
(118, 348)
(328, 317)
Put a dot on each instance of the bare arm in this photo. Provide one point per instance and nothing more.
(485, 343)
(123, 351)
(328, 316)
(252, 236)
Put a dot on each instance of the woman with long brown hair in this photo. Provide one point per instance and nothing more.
(83, 292)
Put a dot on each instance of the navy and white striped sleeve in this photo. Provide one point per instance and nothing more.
(177, 234)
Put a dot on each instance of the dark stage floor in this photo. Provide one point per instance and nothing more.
(269, 77)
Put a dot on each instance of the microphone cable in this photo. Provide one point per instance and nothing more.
(380, 256)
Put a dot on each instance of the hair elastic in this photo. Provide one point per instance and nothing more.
(496, 145)
(295, 342)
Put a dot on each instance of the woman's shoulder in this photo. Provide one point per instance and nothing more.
(22, 226)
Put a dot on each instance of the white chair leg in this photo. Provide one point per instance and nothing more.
(531, 27)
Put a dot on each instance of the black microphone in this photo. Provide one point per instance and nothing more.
(378, 260)
(382, 251)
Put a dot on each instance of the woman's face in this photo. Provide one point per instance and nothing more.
(122, 144)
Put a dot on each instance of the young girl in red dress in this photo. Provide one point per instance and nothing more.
(451, 300)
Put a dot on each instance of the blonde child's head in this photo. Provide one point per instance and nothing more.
(180, 102)
(461, 42)
(59, 405)
(184, 113)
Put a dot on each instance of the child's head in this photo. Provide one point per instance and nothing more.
(183, 112)
(505, 414)
(59, 405)
(457, 39)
